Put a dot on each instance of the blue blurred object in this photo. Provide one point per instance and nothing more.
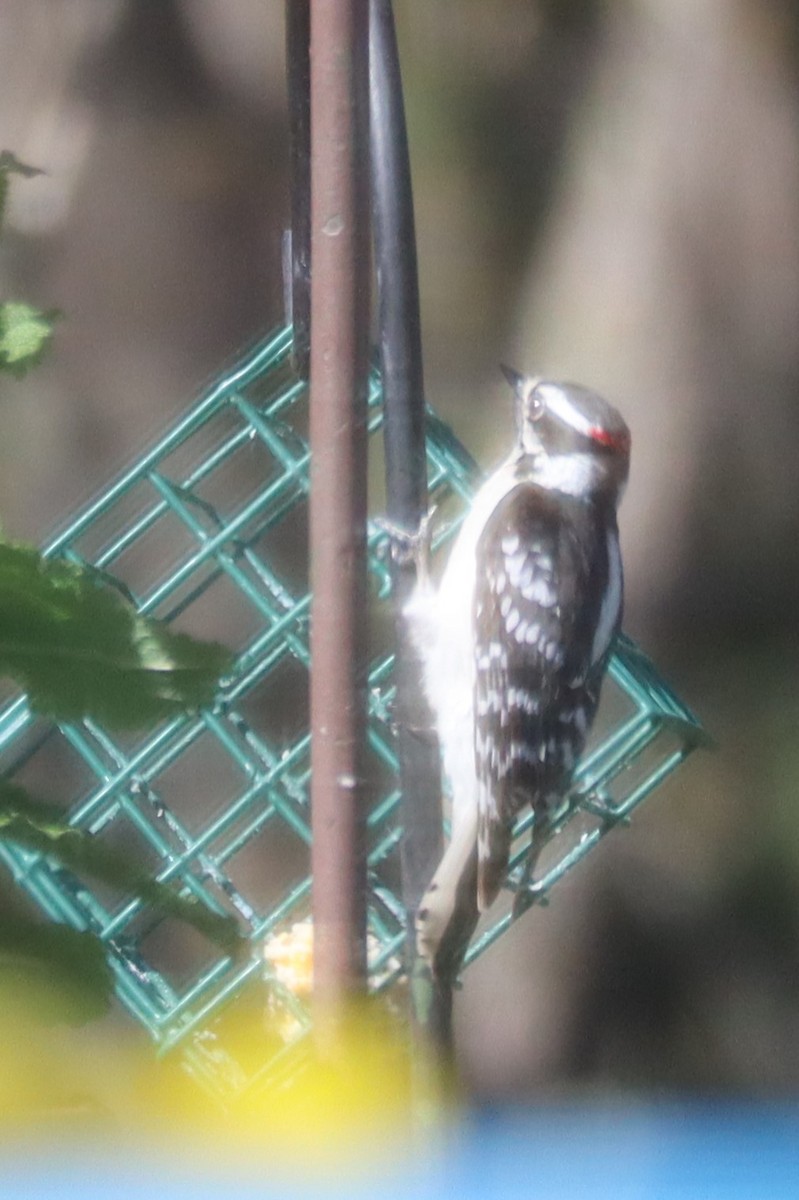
(695, 1152)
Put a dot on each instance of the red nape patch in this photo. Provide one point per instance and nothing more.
(616, 441)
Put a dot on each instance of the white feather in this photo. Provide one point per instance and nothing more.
(442, 625)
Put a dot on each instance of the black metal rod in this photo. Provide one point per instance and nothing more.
(340, 291)
(404, 433)
(297, 267)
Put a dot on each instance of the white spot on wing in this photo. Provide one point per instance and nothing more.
(515, 564)
(520, 699)
(541, 591)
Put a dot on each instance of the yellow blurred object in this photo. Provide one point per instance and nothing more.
(41, 1091)
(351, 1103)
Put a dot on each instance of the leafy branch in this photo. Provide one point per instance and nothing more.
(79, 649)
(25, 332)
(62, 973)
(39, 826)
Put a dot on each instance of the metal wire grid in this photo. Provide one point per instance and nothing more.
(207, 530)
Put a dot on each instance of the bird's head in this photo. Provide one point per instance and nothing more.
(567, 422)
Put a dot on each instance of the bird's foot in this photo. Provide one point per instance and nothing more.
(410, 548)
(600, 804)
(526, 896)
(529, 891)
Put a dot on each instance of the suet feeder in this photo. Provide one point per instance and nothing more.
(207, 530)
(205, 799)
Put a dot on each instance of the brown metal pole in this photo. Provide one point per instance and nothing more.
(339, 372)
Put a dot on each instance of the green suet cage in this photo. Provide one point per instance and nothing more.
(208, 530)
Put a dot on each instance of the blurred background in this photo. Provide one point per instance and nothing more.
(606, 191)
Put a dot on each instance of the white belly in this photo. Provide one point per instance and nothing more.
(442, 624)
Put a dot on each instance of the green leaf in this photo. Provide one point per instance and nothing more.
(58, 974)
(78, 649)
(24, 335)
(38, 826)
(10, 165)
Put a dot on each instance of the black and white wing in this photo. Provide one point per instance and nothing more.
(547, 608)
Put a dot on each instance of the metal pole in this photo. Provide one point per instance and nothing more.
(404, 433)
(339, 373)
(297, 270)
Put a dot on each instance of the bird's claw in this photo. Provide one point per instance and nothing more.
(406, 548)
(526, 897)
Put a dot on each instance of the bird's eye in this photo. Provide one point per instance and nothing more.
(535, 405)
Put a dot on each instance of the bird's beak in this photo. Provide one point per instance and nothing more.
(523, 388)
(513, 377)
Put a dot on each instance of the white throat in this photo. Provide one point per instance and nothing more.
(572, 474)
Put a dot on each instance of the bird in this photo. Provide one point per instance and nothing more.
(514, 643)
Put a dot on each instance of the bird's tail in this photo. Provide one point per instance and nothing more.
(494, 841)
(448, 913)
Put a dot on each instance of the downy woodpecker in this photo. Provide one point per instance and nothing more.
(514, 644)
